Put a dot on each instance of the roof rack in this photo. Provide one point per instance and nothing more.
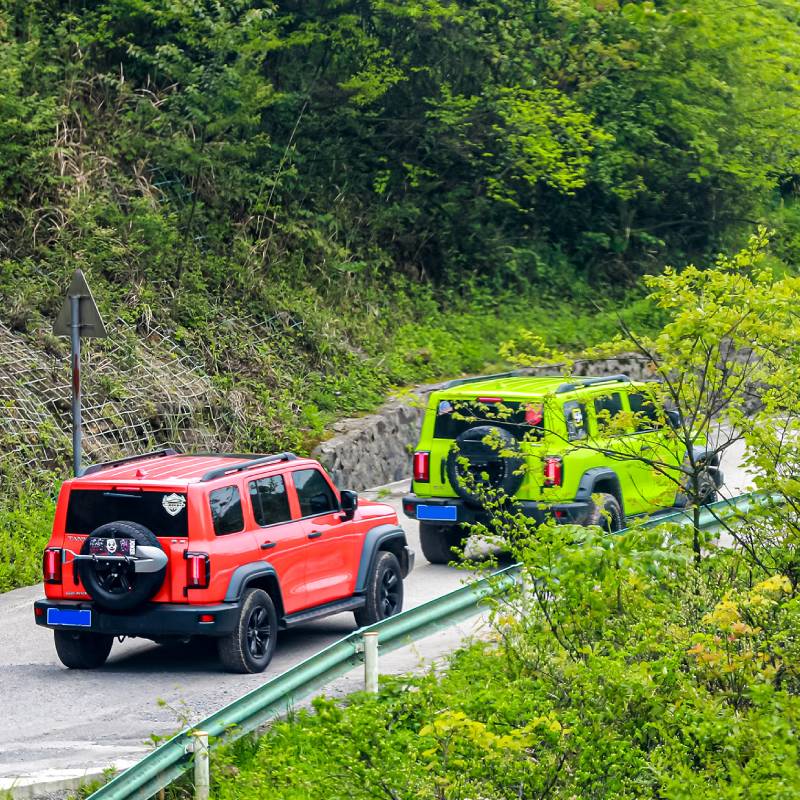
(461, 381)
(568, 387)
(167, 451)
(220, 472)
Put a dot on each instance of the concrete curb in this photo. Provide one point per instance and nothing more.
(58, 782)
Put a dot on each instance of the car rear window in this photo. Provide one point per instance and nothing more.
(607, 408)
(522, 420)
(226, 510)
(164, 513)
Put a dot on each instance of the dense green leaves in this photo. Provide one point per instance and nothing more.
(440, 138)
(620, 670)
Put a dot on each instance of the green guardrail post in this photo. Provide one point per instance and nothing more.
(370, 640)
(202, 777)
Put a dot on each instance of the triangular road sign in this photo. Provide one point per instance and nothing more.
(90, 321)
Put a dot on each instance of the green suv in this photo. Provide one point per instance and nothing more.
(588, 451)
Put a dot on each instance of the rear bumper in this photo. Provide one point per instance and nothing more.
(153, 621)
(455, 511)
(407, 561)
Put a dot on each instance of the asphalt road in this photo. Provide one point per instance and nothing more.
(58, 722)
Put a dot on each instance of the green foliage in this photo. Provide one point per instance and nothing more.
(621, 669)
(386, 189)
(621, 665)
(723, 372)
(25, 523)
(209, 147)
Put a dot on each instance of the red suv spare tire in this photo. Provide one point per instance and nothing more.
(116, 585)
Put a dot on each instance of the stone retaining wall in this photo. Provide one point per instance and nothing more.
(376, 449)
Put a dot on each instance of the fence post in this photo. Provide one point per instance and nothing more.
(202, 780)
(527, 589)
(371, 662)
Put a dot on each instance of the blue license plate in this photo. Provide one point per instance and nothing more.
(437, 513)
(77, 617)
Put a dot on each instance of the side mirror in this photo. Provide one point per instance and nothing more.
(674, 418)
(349, 503)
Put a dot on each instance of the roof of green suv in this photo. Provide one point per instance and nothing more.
(524, 386)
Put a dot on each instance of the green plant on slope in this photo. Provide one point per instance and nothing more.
(25, 527)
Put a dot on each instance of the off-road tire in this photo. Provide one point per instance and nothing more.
(250, 646)
(707, 487)
(504, 470)
(384, 593)
(606, 513)
(439, 541)
(82, 650)
(143, 585)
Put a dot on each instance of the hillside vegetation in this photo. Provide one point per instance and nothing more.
(359, 174)
(306, 203)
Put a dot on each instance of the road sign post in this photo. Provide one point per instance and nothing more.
(78, 317)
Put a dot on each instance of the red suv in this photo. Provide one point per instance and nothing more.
(168, 546)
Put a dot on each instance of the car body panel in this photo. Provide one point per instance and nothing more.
(643, 487)
(308, 572)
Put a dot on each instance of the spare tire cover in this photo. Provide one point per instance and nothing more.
(486, 467)
(116, 585)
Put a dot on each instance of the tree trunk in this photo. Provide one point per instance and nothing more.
(696, 534)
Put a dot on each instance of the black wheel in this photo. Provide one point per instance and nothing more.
(249, 648)
(474, 464)
(606, 513)
(384, 591)
(706, 488)
(115, 585)
(82, 650)
(439, 542)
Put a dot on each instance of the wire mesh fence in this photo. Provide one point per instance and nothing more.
(140, 390)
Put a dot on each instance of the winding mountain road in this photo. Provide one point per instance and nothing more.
(59, 723)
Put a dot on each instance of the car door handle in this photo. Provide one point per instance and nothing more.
(315, 534)
(268, 545)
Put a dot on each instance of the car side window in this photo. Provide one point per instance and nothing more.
(606, 408)
(575, 416)
(226, 510)
(314, 493)
(645, 410)
(270, 501)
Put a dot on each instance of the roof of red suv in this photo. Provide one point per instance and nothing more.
(174, 468)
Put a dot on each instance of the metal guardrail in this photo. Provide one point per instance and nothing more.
(171, 759)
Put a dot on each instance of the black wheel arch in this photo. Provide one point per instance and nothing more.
(256, 575)
(385, 537)
(711, 458)
(600, 479)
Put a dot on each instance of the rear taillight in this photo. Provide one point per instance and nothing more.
(553, 471)
(422, 466)
(534, 414)
(198, 570)
(51, 565)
